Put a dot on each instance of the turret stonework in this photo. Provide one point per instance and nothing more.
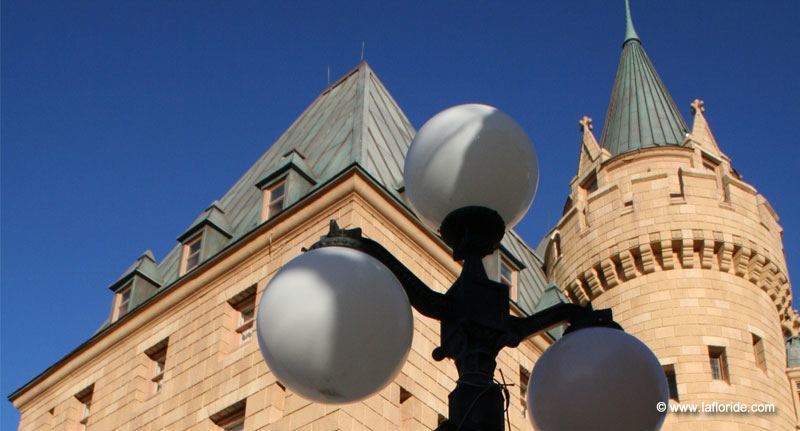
(690, 257)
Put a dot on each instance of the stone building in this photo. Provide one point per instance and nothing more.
(658, 226)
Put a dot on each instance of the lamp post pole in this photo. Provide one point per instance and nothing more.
(474, 314)
(336, 327)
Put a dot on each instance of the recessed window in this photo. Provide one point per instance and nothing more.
(590, 185)
(758, 352)
(274, 198)
(244, 304)
(524, 378)
(719, 363)
(246, 326)
(158, 364)
(672, 381)
(557, 246)
(85, 398)
(404, 395)
(797, 389)
(191, 253)
(230, 418)
(709, 164)
(123, 301)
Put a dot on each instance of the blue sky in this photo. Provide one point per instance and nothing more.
(121, 121)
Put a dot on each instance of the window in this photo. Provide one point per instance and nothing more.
(719, 363)
(524, 378)
(123, 301)
(758, 352)
(244, 304)
(85, 398)
(246, 322)
(237, 425)
(590, 185)
(191, 253)
(797, 389)
(557, 246)
(230, 418)
(709, 164)
(404, 395)
(158, 358)
(274, 198)
(672, 381)
(508, 276)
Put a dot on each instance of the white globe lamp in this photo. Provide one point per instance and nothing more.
(599, 379)
(334, 325)
(470, 156)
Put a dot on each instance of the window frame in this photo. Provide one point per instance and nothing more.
(247, 327)
(159, 359)
(718, 355)
(120, 299)
(242, 304)
(269, 200)
(188, 254)
(759, 354)
(672, 381)
(85, 398)
(512, 283)
(231, 416)
(524, 382)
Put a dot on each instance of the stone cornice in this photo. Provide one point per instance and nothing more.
(685, 249)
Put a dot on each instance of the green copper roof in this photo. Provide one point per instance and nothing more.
(641, 112)
(353, 121)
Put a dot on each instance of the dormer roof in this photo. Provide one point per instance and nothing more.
(144, 266)
(214, 216)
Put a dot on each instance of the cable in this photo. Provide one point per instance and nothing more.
(504, 390)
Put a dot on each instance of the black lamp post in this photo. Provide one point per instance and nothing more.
(474, 314)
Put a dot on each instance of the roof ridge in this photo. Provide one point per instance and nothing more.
(360, 112)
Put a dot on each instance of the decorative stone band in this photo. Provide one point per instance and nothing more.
(686, 250)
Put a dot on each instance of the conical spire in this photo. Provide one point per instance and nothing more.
(641, 112)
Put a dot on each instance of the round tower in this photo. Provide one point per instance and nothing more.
(660, 228)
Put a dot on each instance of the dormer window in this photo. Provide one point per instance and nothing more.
(508, 276)
(123, 301)
(274, 198)
(191, 253)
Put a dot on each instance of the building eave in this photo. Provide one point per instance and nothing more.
(348, 172)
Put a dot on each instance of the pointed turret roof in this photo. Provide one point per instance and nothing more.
(641, 112)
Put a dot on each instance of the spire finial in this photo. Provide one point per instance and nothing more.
(698, 106)
(586, 123)
(630, 32)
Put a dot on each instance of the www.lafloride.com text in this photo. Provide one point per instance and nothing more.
(716, 408)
